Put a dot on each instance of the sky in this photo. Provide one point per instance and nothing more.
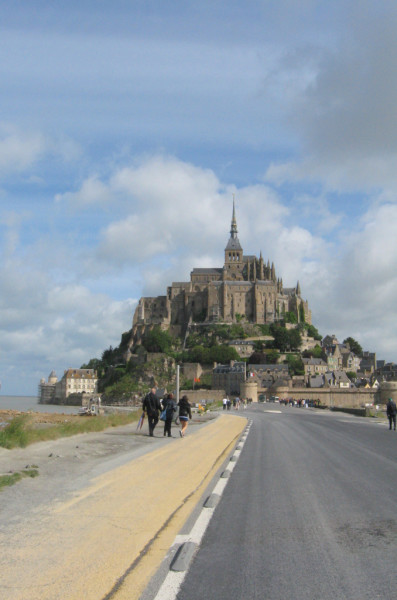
(127, 127)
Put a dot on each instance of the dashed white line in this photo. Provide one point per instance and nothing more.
(174, 579)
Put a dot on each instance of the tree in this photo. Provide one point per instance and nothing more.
(354, 346)
(157, 340)
(316, 352)
(281, 338)
(295, 339)
(351, 375)
(290, 317)
(223, 354)
(258, 358)
(272, 357)
(295, 364)
(313, 332)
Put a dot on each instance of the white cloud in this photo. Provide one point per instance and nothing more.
(19, 151)
(92, 193)
(338, 95)
(53, 326)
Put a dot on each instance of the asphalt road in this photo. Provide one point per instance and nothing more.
(309, 513)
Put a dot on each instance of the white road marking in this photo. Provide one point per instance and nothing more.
(173, 581)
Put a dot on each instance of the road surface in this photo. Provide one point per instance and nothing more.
(308, 513)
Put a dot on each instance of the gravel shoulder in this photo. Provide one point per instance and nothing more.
(105, 507)
(68, 464)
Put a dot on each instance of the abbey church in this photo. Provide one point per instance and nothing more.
(245, 288)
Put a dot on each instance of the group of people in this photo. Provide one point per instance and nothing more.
(236, 402)
(153, 408)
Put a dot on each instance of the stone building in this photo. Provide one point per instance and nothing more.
(47, 389)
(76, 381)
(267, 375)
(314, 367)
(245, 288)
(229, 377)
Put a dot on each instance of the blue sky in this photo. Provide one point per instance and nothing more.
(126, 128)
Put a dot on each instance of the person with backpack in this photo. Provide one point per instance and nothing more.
(185, 413)
(170, 407)
(151, 405)
(391, 411)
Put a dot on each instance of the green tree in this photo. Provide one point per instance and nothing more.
(295, 364)
(351, 375)
(316, 352)
(295, 339)
(157, 340)
(258, 358)
(223, 354)
(354, 346)
(313, 332)
(121, 390)
(281, 338)
(272, 356)
(290, 317)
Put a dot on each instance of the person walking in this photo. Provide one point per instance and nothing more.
(151, 405)
(391, 411)
(170, 406)
(224, 401)
(185, 413)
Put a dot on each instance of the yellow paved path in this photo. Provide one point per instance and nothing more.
(109, 541)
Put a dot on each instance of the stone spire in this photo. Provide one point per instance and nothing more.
(233, 230)
(273, 273)
(233, 243)
(298, 289)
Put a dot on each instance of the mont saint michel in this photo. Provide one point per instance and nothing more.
(244, 288)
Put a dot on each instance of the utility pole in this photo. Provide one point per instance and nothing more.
(177, 384)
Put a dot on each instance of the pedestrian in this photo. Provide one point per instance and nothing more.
(229, 403)
(224, 401)
(391, 411)
(151, 405)
(185, 413)
(170, 406)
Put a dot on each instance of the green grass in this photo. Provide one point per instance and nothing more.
(12, 478)
(21, 432)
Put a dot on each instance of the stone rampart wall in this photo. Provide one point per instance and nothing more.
(334, 397)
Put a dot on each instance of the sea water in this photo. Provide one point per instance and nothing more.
(31, 403)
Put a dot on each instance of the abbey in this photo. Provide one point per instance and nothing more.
(245, 288)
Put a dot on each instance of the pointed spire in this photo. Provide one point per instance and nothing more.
(298, 289)
(273, 273)
(233, 230)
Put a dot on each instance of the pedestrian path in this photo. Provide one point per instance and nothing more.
(108, 540)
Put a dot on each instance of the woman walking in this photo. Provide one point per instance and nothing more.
(185, 413)
(169, 405)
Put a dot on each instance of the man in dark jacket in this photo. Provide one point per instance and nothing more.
(151, 405)
(391, 411)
